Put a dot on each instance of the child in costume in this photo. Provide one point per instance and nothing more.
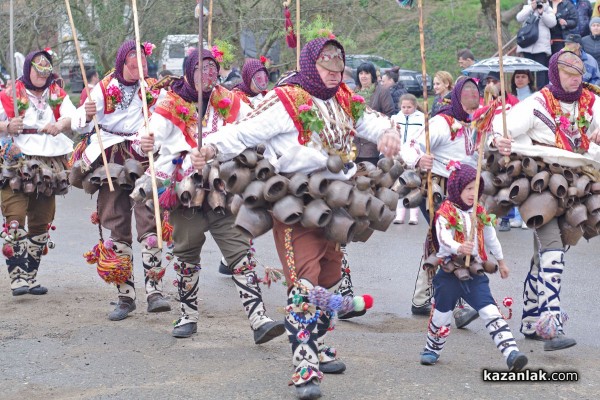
(452, 225)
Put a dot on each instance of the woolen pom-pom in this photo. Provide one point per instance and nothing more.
(109, 244)
(335, 302)
(347, 305)
(151, 242)
(368, 301)
(507, 302)
(7, 250)
(359, 303)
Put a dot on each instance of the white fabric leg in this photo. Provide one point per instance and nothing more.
(438, 330)
(187, 288)
(152, 263)
(423, 290)
(531, 312)
(126, 289)
(499, 329)
(248, 289)
(549, 281)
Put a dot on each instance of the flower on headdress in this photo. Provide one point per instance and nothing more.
(217, 54)
(453, 166)
(265, 61)
(148, 48)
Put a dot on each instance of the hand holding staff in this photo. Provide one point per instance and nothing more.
(145, 110)
(87, 89)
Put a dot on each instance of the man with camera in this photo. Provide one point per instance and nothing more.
(540, 12)
(566, 19)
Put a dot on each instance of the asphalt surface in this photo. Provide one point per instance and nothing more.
(62, 346)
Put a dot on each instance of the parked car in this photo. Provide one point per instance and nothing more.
(412, 80)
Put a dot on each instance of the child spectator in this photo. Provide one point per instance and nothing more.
(410, 122)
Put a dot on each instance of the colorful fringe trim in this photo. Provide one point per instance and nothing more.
(111, 267)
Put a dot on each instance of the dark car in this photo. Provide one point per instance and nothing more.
(412, 80)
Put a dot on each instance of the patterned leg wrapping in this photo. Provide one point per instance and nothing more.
(438, 331)
(152, 262)
(187, 287)
(549, 279)
(246, 283)
(126, 289)
(531, 312)
(15, 251)
(346, 288)
(423, 289)
(301, 326)
(325, 324)
(499, 329)
(35, 248)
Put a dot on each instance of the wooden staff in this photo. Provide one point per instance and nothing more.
(87, 89)
(298, 35)
(210, 16)
(146, 124)
(483, 138)
(426, 112)
(12, 60)
(200, 99)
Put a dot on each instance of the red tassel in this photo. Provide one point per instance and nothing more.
(290, 36)
(78, 152)
(168, 199)
(95, 218)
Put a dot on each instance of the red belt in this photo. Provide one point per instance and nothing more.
(30, 131)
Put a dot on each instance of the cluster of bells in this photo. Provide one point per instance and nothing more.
(543, 191)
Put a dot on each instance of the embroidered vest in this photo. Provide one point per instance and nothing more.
(187, 125)
(56, 94)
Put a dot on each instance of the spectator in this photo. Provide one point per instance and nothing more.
(591, 75)
(591, 43)
(389, 80)
(521, 84)
(92, 79)
(377, 98)
(541, 50)
(465, 60)
(566, 19)
(492, 90)
(410, 121)
(348, 79)
(584, 12)
(442, 86)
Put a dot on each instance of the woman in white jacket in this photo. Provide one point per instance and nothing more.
(540, 51)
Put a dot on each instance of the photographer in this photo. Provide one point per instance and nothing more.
(540, 51)
(566, 18)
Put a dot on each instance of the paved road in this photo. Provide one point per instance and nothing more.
(61, 346)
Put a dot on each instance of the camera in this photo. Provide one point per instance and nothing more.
(539, 4)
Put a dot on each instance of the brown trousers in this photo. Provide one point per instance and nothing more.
(317, 259)
(35, 210)
(189, 234)
(114, 210)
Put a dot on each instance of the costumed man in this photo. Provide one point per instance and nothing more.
(450, 139)
(117, 103)
(255, 82)
(34, 153)
(174, 123)
(310, 117)
(252, 89)
(558, 124)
